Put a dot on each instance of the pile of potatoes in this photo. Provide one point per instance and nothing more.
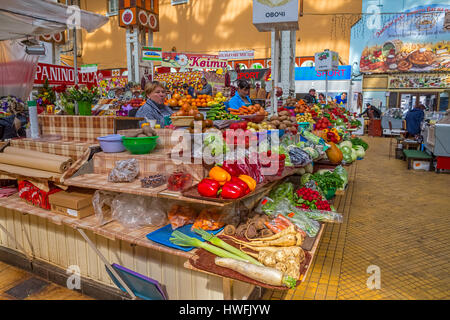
(290, 102)
(284, 121)
(146, 131)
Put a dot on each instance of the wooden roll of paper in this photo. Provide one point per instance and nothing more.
(37, 154)
(34, 163)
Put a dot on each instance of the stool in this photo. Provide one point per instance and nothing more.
(412, 155)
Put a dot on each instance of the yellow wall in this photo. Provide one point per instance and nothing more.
(208, 26)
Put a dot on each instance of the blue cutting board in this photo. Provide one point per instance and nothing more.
(163, 234)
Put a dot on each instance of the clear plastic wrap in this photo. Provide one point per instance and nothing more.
(102, 203)
(298, 156)
(134, 211)
(124, 171)
(322, 216)
(180, 215)
(298, 217)
(340, 170)
(251, 168)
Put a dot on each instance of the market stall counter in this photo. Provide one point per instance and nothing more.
(142, 201)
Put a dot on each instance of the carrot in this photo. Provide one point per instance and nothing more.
(274, 229)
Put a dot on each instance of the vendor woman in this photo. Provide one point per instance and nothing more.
(241, 97)
(154, 108)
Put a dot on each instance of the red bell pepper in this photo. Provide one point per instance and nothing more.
(208, 187)
(241, 183)
(232, 190)
(231, 167)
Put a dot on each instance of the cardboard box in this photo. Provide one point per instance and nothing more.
(75, 200)
(421, 165)
(73, 213)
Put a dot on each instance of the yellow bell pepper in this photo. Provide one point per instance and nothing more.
(249, 181)
(220, 175)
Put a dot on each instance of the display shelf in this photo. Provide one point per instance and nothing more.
(110, 229)
(100, 182)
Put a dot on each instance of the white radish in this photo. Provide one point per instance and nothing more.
(265, 275)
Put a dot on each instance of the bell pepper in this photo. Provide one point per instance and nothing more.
(208, 187)
(231, 168)
(220, 175)
(249, 181)
(241, 183)
(232, 190)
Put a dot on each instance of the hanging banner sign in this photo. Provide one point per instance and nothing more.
(192, 61)
(241, 54)
(87, 68)
(326, 60)
(151, 54)
(62, 75)
(270, 15)
(256, 74)
(310, 74)
(416, 40)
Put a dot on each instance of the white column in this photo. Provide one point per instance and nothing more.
(285, 62)
(136, 49)
(129, 45)
(150, 44)
(275, 49)
(292, 63)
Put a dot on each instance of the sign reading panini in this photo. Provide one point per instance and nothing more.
(62, 75)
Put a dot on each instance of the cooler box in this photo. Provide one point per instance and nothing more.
(421, 165)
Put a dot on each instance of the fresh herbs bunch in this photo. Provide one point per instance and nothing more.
(328, 180)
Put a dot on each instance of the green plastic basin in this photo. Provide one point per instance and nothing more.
(140, 145)
(330, 193)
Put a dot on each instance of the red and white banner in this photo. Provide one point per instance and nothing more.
(58, 75)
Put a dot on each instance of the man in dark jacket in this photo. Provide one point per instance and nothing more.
(413, 119)
(311, 97)
(371, 111)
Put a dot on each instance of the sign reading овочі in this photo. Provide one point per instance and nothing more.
(269, 15)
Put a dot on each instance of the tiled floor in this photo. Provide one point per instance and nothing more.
(396, 221)
(11, 277)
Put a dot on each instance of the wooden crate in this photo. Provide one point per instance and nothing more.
(182, 121)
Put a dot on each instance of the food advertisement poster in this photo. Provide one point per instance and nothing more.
(192, 61)
(419, 81)
(417, 40)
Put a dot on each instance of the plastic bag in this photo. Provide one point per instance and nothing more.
(102, 200)
(311, 137)
(298, 217)
(323, 216)
(134, 211)
(251, 168)
(124, 171)
(340, 170)
(180, 215)
(208, 219)
(179, 181)
(298, 156)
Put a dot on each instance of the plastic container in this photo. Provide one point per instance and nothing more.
(304, 125)
(84, 108)
(330, 194)
(111, 143)
(140, 145)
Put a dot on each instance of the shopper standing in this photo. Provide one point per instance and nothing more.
(414, 119)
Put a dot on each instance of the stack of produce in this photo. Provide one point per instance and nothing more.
(307, 198)
(284, 121)
(284, 267)
(301, 107)
(200, 124)
(255, 109)
(207, 219)
(306, 117)
(227, 182)
(290, 102)
(218, 112)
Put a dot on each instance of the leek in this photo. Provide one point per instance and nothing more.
(180, 239)
(222, 244)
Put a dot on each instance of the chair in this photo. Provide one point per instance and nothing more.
(397, 133)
